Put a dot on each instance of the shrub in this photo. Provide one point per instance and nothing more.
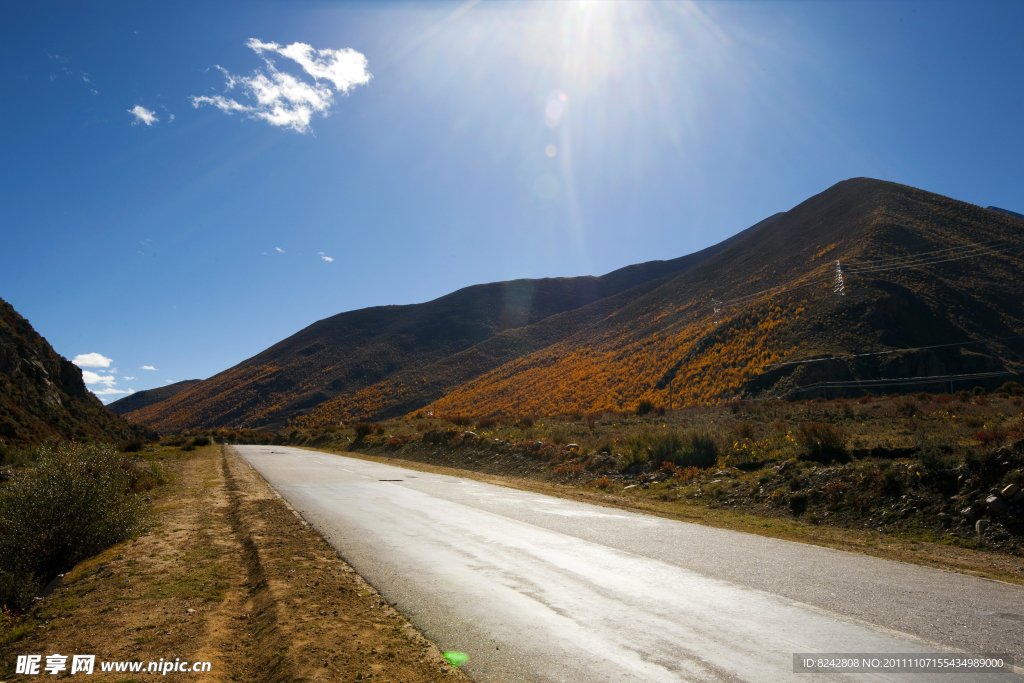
(188, 445)
(892, 483)
(486, 423)
(823, 443)
(422, 426)
(798, 503)
(996, 435)
(132, 446)
(461, 420)
(644, 407)
(684, 449)
(525, 423)
(363, 430)
(201, 441)
(72, 504)
(603, 483)
(660, 411)
(745, 430)
(685, 474)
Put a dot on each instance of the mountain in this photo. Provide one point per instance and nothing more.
(141, 399)
(42, 394)
(1006, 212)
(347, 355)
(919, 270)
(914, 276)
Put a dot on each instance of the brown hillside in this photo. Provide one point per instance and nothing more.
(350, 353)
(42, 394)
(141, 399)
(779, 307)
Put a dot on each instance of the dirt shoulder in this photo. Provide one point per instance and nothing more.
(665, 502)
(230, 575)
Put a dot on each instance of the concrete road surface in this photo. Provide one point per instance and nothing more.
(535, 588)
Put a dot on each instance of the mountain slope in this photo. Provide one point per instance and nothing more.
(42, 394)
(350, 353)
(779, 307)
(141, 399)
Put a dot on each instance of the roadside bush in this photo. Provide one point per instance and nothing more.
(72, 504)
(822, 442)
(798, 503)
(644, 407)
(132, 446)
(461, 420)
(486, 423)
(200, 441)
(363, 430)
(684, 449)
(189, 445)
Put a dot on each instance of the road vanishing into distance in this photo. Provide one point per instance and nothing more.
(535, 588)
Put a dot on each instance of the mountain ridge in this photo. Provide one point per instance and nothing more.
(659, 331)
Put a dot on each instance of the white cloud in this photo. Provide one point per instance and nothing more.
(282, 99)
(110, 391)
(167, 381)
(127, 378)
(171, 117)
(223, 103)
(92, 360)
(232, 81)
(85, 77)
(279, 249)
(142, 114)
(325, 258)
(91, 377)
(147, 367)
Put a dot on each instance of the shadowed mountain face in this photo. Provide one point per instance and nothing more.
(1007, 212)
(353, 352)
(42, 394)
(141, 399)
(913, 275)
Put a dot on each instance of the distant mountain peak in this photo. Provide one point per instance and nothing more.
(1006, 211)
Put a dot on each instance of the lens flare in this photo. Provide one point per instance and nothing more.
(551, 151)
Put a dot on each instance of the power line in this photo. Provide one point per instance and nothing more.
(932, 379)
(882, 353)
(868, 262)
(917, 263)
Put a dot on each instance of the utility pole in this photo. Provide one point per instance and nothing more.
(839, 287)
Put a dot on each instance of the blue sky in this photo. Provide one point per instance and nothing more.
(425, 147)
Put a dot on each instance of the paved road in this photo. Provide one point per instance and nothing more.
(536, 588)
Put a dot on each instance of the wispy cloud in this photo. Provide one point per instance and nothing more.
(283, 100)
(92, 360)
(147, 367)
(127, 379)
(279, 250)
(325, 258)
(143, 115)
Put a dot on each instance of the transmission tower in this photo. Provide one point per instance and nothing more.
(718, 309)
(840, 287)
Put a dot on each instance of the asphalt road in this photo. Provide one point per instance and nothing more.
(535, 588)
